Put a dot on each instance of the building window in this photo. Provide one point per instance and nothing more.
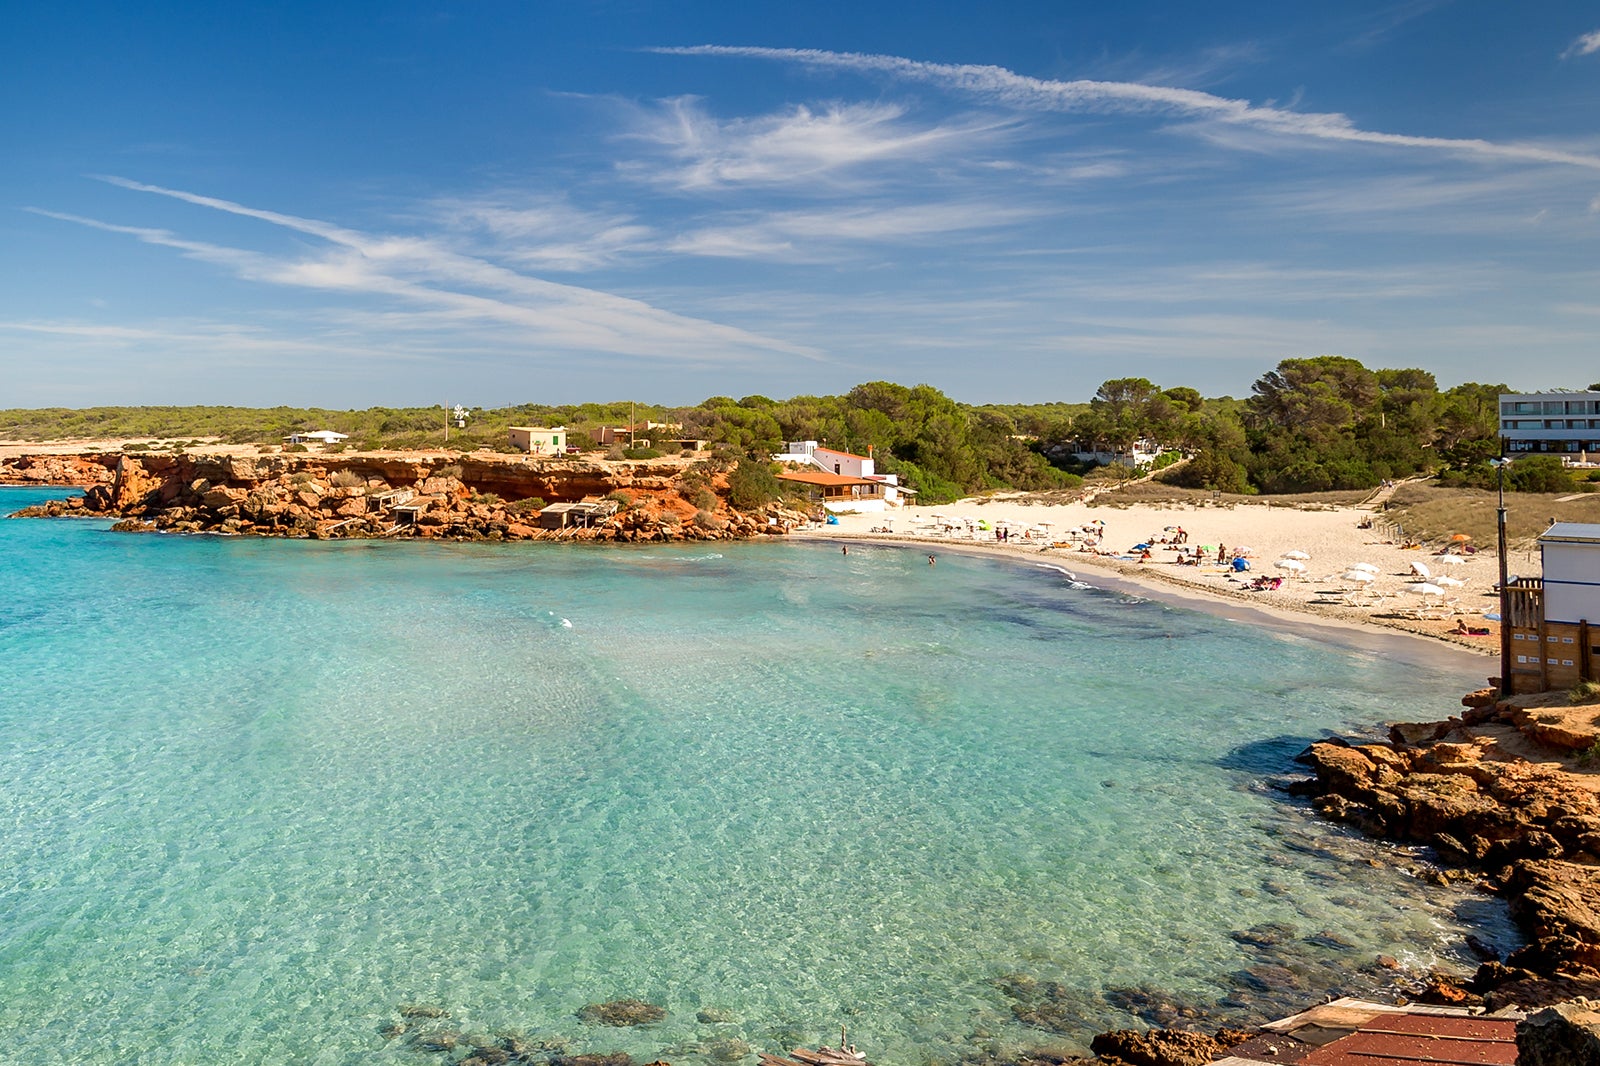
(1522, 658)
(1566, 662)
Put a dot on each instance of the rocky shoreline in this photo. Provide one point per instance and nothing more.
(469, 497)
(1492, 794)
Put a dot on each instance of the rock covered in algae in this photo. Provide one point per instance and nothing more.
(622, 1012)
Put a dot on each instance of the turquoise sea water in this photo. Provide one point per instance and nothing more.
(256, 794)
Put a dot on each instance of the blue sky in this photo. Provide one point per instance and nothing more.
(492, 202)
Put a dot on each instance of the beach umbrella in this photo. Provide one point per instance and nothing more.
(1236, 551)
(1421, 570)
(1425, 588)
(1292, 565)
(1361, 577)
(1296, 554)
(1461, 538)
(1450, 560)
(1453, 582)
(1368, 567)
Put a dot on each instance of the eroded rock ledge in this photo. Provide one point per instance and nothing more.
(1499, 796)
(469, 497)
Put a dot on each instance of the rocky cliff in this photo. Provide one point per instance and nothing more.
(470, 497)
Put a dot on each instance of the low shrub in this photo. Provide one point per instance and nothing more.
(704, 499)
(347, 479)
(528, 506)
(453, 470)
(620, 498)
(1584, 692)
(641, 453)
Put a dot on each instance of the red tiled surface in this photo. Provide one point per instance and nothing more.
(1444, 1025)
(1402, 1038)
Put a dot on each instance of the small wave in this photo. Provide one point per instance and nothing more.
(1072, 579)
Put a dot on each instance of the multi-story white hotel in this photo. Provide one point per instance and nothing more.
(1565, 423)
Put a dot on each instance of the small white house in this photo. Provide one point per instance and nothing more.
(845, 464)
(1141, 455)
(838, 492)
(320, 436)
(539, 440)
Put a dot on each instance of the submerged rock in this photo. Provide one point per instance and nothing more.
(729, 1050)
(1161, 1047)
(616, 1058)
(422, 1010)
(620, 1012)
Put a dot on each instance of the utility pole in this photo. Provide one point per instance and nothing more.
(446, 408)
(1505, 596)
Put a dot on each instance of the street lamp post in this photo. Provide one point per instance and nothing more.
(1505, 596)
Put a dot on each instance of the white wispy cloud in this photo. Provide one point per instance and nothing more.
(797, 146)
(1000, 86)
(819, 235)
(422, 271)
(545, 232)
(1586, 45)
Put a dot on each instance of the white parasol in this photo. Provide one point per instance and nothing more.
(1425, 588)
(1296, 554)
(1450, 560)
(1368, 567)
(1421, 570)
(1453, 582)
(1292, 565)
(1360, 577)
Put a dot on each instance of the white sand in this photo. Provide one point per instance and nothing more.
(1332, 538)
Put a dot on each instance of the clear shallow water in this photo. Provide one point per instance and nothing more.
(255, 794)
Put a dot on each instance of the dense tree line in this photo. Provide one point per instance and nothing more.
(1309, 425)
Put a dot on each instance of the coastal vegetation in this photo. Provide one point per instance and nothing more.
(1317, 424)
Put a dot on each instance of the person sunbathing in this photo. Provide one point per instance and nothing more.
(1469, 631)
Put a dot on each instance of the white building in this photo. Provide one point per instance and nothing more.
(1571, 560)
(1141, 455)
(838, 492)
(539, 440)
(1555, 619)
(319, 436)
(1563, 423)
(847, 465)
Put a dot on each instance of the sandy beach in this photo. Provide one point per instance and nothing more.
(1332, 539)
